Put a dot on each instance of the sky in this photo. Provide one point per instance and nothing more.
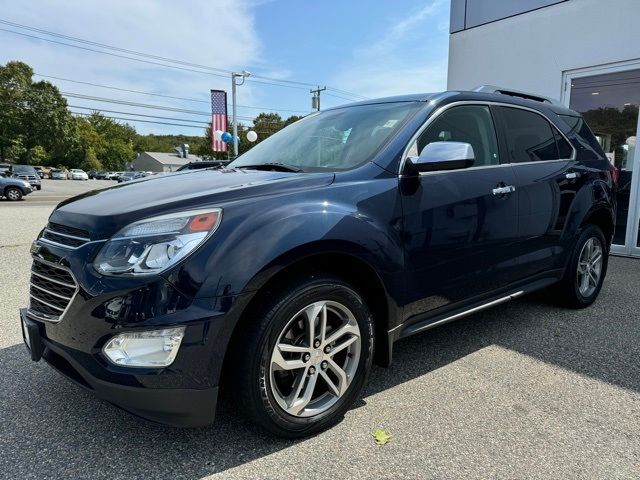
(369, 49)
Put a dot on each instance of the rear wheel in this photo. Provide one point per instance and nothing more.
(586, 270)
(304, 361)
(14, 194)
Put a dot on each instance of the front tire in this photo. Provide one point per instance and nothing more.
(13, 194)
(304, 357)
(586, 270)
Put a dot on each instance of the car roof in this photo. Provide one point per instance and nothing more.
(462, 95)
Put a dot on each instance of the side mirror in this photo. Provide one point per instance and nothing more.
(444, 156)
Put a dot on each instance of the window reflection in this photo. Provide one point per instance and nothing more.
(609, 104)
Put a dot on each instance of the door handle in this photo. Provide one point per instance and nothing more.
(572, 175)
(498, 191)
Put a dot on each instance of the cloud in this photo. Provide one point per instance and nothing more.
(220, 33)
(409, 56)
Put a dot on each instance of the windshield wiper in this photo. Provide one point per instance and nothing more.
(282, 167)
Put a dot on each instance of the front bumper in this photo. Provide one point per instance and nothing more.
(179, 407)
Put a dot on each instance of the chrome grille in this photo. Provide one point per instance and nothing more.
(51, 291)
(65, 236)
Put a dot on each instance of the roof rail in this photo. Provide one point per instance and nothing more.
(515, 93)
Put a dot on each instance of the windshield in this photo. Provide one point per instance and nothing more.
(23, 169)
(339, 139)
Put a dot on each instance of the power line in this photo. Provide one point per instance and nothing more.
(208, 102)
(143, 121)
(210, 70)
(93, 109)
(151, 106)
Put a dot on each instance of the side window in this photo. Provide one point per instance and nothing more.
(564, 149)
(588, 146)
(529, 136)
(471, 124)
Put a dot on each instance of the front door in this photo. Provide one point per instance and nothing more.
(459, 234)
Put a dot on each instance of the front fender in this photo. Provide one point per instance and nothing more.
(256, 240)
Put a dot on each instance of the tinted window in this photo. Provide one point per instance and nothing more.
(471, 124)
(529, 136)
(564, 148)
(589, 147)
(24, 169)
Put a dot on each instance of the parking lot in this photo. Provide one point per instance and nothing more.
(525, 390)
(55, 191)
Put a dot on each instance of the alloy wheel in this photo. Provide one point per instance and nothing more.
(590, 267)
(315, 358)
(13, 194)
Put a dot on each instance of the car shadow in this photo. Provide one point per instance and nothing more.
(52, 428)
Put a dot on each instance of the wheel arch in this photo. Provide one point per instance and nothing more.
(336, 261)
(601, 217)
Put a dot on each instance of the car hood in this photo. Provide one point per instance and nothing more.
(103, 212)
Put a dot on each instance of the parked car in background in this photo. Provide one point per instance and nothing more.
(12, 188)
(57, 174)
(290, 270)
(101, 175)
(5, 167)
(92, 174)
(115, 175)
(28, 173)
(203, 164)
(77, 174)
(40, 171)
(128, 176)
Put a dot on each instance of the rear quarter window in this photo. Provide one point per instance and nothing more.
(587, 144)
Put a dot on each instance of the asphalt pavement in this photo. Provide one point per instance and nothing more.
(55, 191)
(524, 390)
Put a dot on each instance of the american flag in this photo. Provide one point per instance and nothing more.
(218, 118)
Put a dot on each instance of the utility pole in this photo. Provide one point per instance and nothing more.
(315, 100)
(244, 74)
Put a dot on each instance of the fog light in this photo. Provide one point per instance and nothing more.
(152, 348)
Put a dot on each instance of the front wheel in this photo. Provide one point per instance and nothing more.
(586, 270)
(305, 359)
(13, 194)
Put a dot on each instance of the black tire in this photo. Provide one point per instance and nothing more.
(13, 194)
(39, 187)
(251, 355)
(567, 292)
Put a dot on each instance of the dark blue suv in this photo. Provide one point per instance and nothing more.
(285, 275)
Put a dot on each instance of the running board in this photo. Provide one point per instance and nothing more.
(421, 326)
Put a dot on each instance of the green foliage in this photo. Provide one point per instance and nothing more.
(36, 127)
(90, 161)
(36, 156)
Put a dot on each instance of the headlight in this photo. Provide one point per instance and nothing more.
(26, 184)
(153, 245)
(154, 348)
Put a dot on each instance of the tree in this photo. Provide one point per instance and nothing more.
(32, 115)
(91, 161)
(36, 156)
(15, 80)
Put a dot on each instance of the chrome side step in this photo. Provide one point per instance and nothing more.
(410, 331)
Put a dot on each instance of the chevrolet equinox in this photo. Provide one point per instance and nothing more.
(284, 275)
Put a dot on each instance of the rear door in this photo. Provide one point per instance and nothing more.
(459, 232)
(547, 180)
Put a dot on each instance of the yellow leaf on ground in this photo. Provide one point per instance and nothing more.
(381, 437)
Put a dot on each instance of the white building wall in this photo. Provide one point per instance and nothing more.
(531, 51)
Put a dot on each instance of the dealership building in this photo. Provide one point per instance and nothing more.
(584, 53)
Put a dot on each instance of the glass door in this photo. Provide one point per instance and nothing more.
(609, 103)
